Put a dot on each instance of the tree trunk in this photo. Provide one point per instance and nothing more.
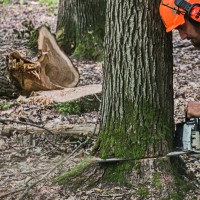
(137, 107)
(8, 89)
(137, 104)
(66, 25)
(80, 27)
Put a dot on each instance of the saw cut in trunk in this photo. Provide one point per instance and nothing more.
(28, 75)
(53, 70)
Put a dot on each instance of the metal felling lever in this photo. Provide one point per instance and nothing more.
(187, 132)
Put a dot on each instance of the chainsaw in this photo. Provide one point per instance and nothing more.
(187, 138)
(186, 141)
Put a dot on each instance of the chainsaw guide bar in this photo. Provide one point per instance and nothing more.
(186, 142)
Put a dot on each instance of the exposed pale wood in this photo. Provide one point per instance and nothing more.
(28, 75)
(69, 94)
(58, 67)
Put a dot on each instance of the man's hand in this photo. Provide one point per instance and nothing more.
(193, 109)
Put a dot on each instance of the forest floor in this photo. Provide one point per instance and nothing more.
(28, 158)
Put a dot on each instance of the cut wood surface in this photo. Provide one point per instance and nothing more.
(28, 75)
(53, 69)
(68, 94)
(58, 67)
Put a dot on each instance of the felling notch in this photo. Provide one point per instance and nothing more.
(53, 69)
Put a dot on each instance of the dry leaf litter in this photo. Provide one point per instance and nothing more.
(26, 158)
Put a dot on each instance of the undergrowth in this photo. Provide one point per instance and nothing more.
(50, 2)
(21, 2)
(68, 108)
(5, 106)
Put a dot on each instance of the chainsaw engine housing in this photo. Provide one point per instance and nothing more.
(187, 136)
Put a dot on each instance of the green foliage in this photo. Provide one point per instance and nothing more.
(4, 1)
(5, 106)
(68, 108)
(156, 181)
(50, 2)
(116, 173)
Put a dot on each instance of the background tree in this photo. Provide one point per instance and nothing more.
(8, 89)
(80, 27)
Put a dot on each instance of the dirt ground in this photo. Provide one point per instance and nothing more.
(29, 161)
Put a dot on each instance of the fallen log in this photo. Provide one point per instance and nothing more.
(75, 130)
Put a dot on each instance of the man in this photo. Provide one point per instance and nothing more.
(185, 17)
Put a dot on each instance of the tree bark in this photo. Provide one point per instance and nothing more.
(137, 107)
(137, 102)
(66, 25)
(80, 26)
(8, 88)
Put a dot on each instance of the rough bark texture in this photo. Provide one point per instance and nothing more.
(137, 108)
(137, 103)
(81, 25)
(8, 89)
(66, 25)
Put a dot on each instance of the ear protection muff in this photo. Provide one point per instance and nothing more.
(192, 10)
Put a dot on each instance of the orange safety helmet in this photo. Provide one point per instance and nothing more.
(173, 16)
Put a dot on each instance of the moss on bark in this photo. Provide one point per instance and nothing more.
(140, 133)
(79, 176)
(161, 178)
(89, 47)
